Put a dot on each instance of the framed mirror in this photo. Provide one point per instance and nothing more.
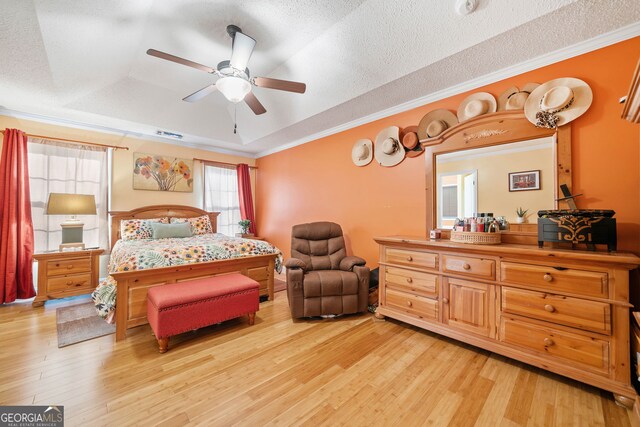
(495, 164)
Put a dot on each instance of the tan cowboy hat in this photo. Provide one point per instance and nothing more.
(388, 149)
(476, 105)
(435, 122)
(557, 102)
(362, 152)
(410, 142)
(514, 98)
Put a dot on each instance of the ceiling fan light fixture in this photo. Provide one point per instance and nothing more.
(233, 88)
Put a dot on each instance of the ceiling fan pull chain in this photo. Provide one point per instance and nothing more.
(235, 119)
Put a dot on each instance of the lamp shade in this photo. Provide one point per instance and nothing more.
(71, 204)
(233, 88)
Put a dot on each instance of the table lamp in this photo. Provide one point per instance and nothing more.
(71, 204)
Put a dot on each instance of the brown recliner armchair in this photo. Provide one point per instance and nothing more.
(321, 278)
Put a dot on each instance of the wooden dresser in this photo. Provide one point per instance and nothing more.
(66, 274)
(564, 311)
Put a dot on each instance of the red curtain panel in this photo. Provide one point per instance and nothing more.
(246, 198)
(16, 227)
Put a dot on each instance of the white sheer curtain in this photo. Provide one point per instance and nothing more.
(221, 195)
(56, 167)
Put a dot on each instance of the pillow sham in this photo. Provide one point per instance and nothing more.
(138, 229)
(199, 225)
(170, 231)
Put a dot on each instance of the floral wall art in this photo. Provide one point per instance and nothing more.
(160, 173)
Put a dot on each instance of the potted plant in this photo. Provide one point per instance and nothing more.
(522, 215)
(244, 226)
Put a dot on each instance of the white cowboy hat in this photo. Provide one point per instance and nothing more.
(514, 98)
(435, 122)
(557, 102)
(476, 105)
(388, 149)
(362, 152)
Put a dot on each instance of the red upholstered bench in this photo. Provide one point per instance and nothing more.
(180, 307)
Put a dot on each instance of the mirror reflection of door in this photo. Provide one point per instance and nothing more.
(458, 196)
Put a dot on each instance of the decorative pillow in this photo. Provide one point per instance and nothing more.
(169, 231)
(138, 229)
(199, 225)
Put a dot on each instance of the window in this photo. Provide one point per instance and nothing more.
(450, 201)
(221, 195)
(67, 168)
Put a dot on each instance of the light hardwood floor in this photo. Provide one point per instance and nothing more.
(348, 371)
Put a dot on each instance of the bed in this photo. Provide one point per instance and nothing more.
(132, 271)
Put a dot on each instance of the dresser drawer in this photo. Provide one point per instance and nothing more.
(564, 346)
(474, 267)
(556, 279)
(69, 283)
(412, 258)
(68, 266)
(575, 312)
(412, 304)
(416, 282)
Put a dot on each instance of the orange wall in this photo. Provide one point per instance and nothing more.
(318, 181)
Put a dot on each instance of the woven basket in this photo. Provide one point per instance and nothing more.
(475, 238)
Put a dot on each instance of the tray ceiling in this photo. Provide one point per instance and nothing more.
(85, 62)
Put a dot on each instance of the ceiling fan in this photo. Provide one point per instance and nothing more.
(235, 81)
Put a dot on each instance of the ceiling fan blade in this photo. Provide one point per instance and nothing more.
(177, 59)
(198, 95)
(287, 85)
(254, 104)
(241, 50)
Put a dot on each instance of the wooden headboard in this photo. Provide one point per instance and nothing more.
(157, 211)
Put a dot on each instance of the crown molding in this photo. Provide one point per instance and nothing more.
(121, 132)
(586, 46)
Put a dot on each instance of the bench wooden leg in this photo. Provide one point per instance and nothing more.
(163, 344)
(252, 318)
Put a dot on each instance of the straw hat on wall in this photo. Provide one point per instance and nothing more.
(557, 102)
(362, 152)
(411, 142)
(388, 149)
(435, 122)
(476, 105)
(514, 98)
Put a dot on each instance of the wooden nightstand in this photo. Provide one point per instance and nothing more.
(66, 274)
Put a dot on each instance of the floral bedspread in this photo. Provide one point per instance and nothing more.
(130, 255)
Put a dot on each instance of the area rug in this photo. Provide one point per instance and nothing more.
(77, 323)
(279, 285)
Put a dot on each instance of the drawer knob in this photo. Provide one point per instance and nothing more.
(409, 303)
(466, 266)
(69, 283)
(548, 342)
(409, 258)
(445, 300)
(69, 267)
(547, 277)
(549, 308)
(409, 280)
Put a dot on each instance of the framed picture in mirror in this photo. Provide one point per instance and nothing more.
(524, 181)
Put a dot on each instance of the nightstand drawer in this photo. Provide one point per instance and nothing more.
(69, 283)
(68, 266)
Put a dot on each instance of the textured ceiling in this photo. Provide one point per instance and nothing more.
(85, 62)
